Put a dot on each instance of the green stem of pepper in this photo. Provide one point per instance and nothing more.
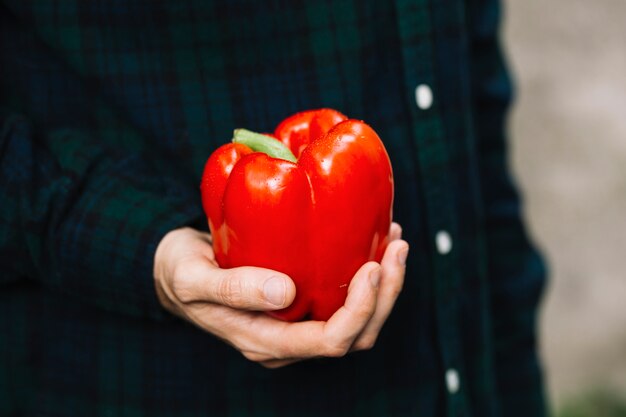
(262, 143)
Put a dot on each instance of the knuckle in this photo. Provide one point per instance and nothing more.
(230, 291)
(181, 283)
(365, 312)
(258, 357)
(365, 343)
(336, 350)
(254, 356)
(369, 311)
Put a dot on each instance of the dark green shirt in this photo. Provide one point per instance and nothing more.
(109, 110)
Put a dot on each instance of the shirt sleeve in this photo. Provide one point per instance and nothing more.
(516, 272)
(83, 219)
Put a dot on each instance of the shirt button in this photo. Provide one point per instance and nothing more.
(452, 381)
(443, 241)
(423, 96)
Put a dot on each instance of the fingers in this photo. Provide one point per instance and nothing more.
(357, 324)
(186, 272)
(350, 320)
(221, 302)
(244, 288)
(393, 269)
(395, 232)
(274, 341)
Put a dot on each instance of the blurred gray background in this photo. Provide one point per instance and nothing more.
(568, 150)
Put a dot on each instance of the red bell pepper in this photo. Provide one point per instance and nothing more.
(316, 218)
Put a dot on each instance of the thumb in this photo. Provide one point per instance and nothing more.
(245, 288)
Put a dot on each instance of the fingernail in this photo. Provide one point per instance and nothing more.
(375, 277)
(275, 290)
(402, 256)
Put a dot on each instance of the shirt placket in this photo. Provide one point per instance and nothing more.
(416, 36)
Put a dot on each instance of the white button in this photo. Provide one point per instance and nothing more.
(452, 380)
(444, 242)
(423, 96)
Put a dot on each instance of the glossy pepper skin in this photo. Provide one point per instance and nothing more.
(318, 219)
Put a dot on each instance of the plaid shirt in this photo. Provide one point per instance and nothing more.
(108, 112)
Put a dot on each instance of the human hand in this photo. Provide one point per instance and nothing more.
(229, 303)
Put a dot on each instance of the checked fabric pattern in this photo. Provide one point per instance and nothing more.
(108, 110)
